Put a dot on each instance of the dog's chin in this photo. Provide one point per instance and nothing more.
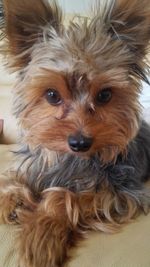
(107, 154)
(84, 155)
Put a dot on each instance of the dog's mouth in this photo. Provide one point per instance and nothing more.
(106, 154)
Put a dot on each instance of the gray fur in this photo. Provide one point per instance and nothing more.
(109, 45)
(85, 175)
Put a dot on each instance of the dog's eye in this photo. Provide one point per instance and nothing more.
(104, 96)
(53, 97)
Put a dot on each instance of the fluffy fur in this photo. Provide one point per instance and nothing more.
(57, 195)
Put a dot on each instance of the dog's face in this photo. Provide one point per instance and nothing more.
(78, 86)
(75, 112)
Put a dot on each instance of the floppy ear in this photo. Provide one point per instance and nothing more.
(24, 23)
(129, 22)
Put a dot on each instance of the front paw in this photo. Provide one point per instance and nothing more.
(49, 232)
(15, 200)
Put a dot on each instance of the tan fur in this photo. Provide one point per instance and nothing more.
(52, 226)
(107, 50)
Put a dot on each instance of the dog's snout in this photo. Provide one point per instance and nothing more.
(80, 143)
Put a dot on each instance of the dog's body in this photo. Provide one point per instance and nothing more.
(86, 151)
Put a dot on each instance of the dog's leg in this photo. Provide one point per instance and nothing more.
(15, 198)
(49, 232)
(62, 218)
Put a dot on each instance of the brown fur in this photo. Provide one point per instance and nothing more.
(48, 229)
(107, 50)
(112, 132)
(31, 18)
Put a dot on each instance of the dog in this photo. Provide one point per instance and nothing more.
(84, 148)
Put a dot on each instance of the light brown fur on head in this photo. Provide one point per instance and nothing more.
(111, 125)
(105, 51)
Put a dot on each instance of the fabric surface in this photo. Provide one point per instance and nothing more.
(129, 248)
(6, 157)
(8, 253)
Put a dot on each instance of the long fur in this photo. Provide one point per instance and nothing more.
(57, 196)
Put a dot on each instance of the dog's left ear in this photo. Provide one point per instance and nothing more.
(131, 23)
(128, 21)
(24, 23)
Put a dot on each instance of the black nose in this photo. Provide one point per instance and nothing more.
(80, 143)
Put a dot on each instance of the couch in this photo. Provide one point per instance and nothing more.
(129, 248)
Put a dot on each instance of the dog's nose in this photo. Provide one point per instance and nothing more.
(80, 143)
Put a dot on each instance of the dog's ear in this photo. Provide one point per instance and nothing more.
(128, 21)
(24, 24)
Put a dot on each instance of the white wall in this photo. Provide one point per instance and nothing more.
(77, 6)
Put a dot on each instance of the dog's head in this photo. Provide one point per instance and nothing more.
(78, 85)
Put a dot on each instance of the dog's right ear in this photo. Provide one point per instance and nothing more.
(24, 23)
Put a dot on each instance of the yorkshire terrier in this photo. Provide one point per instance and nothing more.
(85, 153)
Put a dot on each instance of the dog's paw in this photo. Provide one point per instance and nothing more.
(15, 200)
(49, 232)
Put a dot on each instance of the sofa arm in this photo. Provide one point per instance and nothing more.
(8, 128)
(1, 127)
(8, 131)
